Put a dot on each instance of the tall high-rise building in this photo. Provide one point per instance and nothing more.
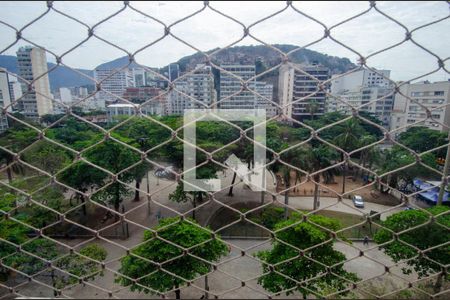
(266, 91)
(302, 87)
(198, 85)
(433, 96)
(113, 83)
(174, 71)
(32, 64)
(230, 85)
(15, 88)
(5, 98)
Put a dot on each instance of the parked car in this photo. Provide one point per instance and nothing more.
(358, 201)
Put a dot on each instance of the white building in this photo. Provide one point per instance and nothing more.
(425, 95)
(359, 79)
(266, 91)
(376, 100)
(32, 64)
(113, 111)
(303, 89)
(113, 83)
(5, 99)
(365, 90)
(15, 88)
(230, 85)
(198, 85)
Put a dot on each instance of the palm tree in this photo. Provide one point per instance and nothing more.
(348, 140)
(320, 158)
(313, 107)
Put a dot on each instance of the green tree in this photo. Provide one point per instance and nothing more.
(15, 140)
(284, 258)
(433, 233)
(115, 158)
(348, 140)
(143, 259)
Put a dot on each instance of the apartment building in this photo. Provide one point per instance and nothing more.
(424, 95)
(230, 85)
(32, 64)
(5, 99)
(266, 91)
(113, 83)
(366, 90)
(198, 85)
(300, 84)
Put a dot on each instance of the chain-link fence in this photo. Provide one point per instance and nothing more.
(91, 209)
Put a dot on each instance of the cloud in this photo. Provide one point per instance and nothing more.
(208, 29)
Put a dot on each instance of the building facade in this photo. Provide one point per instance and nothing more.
(32, 64)
(266, 91)
(303, 89)
(425, 95)
(5, 99)
(113, 83)
(198, 85)
(366, 90)
(230, 85)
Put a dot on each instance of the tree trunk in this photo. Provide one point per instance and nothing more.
(9, 174)
(438, 283)
(230, 192)
(286, 197)
(206, 287)
(177, 294)
(344, 171)
(194, 205)
(83, 200)
(136, 192)
(316, 191)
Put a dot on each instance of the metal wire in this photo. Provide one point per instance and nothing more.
(212, 200)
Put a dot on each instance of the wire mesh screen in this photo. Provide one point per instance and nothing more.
(93, 190)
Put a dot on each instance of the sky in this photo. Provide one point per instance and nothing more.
(208, 29)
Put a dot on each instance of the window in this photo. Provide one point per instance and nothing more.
(439, 93)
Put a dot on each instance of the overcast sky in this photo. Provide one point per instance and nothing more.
(366, 34)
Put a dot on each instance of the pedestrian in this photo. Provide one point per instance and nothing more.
(366, 240)
(158, 215)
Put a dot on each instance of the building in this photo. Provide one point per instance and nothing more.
(266, 91)
(32, 64)
(113, 83)
(139, 77)
(302, 87)
(5, 99)
(198, 85)
(230, 85)
(79, 92)
(15, 88)
(140, 94)
(114, 111)
(376, 100)
(365, 90)
(157, 104)
(432, 96)
(360, 79)
(174, 72)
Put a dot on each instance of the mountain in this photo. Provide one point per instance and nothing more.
(265, 58)
(59, 77)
